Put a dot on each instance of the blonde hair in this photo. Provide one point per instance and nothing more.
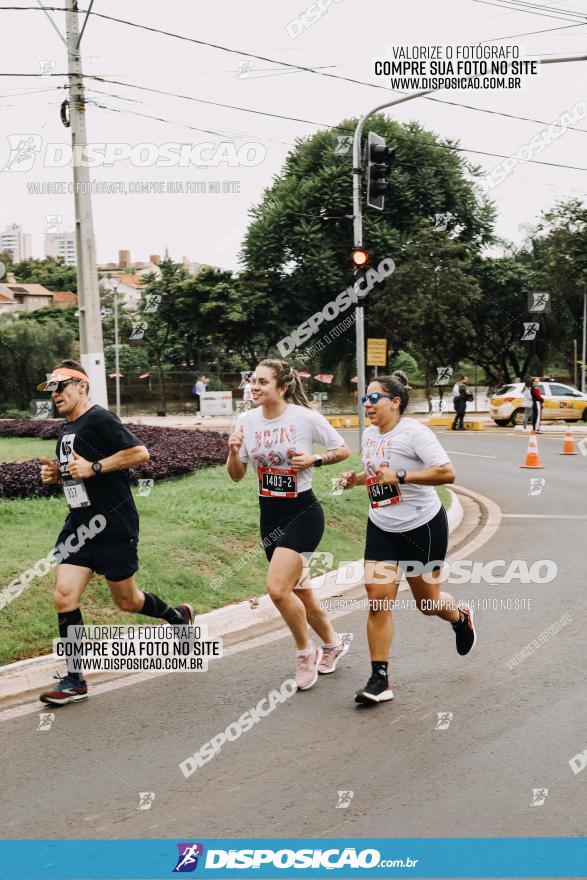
(286, 375)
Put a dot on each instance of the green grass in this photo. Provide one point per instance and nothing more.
(192, 529)
(25, 448)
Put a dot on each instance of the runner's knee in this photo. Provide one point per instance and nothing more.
(129, 602)
(65, 598)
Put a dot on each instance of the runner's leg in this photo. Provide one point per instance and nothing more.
(127, 596)
(70, 583)
(285, 570)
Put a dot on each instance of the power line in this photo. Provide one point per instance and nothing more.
(563, 27)
(499, 5)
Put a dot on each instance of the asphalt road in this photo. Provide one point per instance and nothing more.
(512, 730)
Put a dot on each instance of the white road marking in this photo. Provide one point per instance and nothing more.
(544, 515)
(470, 454)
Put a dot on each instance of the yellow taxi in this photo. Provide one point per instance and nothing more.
(506, 406)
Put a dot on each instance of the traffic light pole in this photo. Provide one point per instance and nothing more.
(358, 242)
(358, 223)
(91, 341)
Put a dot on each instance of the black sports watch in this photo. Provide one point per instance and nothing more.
(318, 462)
(96, 467)
(401, 475)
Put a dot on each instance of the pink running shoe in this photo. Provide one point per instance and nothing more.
(331, 656)
(307, 669)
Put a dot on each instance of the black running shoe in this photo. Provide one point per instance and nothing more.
(465, 631)
(377, 690)
(187, 612)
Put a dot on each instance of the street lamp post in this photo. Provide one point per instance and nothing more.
(584, 347)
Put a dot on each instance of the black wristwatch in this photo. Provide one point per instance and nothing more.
(96, 467)
(401, 475)
(318, 462)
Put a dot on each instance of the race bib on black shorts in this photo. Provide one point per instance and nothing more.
(382, 494)
(278, 482)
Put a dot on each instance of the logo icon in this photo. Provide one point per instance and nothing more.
(444, 719)
(343, 145)
(2, 270)
(536, 485)
(245, 69)
(344, 799)
(145, 487)
(335, 487)
(138, 329)
(23, 149)
(46, 67)
(187, 860)
(441, 221)
(539, 795)
(539, 301)
(582, 446)
(46, 719)
(152, 302)
(53, 222)
(530, 330)
(444, 374)
(42, 409)
(146, 799)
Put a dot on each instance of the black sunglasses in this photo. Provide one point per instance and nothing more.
(376, 396)
(59, 386)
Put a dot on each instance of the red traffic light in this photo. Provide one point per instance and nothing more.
(360, 257)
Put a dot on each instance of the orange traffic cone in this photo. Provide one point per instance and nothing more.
(532, 457)
(569, 444)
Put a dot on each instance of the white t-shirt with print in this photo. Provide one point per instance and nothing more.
(271, 443)
(413, 447)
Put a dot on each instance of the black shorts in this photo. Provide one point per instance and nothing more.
(116, 561)
(295, 523)
(425, 544)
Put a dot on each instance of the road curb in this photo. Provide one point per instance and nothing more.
(231, 622)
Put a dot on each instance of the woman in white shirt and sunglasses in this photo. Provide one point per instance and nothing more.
(407, 526)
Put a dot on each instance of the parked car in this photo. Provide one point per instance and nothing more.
(506, 406)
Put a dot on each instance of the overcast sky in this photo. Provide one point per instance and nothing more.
(209, 227)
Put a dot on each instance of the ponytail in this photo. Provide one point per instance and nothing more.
(290, 378)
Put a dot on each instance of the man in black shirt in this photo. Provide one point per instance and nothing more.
(101, 532)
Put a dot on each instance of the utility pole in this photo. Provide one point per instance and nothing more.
(584, 349)
(91, 341)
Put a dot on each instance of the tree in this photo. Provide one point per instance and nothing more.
(500, 315)
(48, 316)
(428, 306)
(29, 351)
(52, 274)
(302, 231)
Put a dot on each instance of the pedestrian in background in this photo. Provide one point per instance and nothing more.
(528, 399)
(537, 402)
(199, 388)
(248, 392)
(460, 398)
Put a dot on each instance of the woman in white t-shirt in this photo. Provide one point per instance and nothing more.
(407, 526)
(278, 435)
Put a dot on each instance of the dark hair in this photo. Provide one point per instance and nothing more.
(398, 385)
(73, 365)
(286, 375)
(528, 381)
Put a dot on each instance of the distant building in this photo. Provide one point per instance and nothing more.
(16, 298)
(129, 287)
(63, 298)
(195, 268)
(61, 244)
(16, 242)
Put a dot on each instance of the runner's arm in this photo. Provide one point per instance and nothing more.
(333, 456)
(235, 466)
(125, 458)
(432, 476)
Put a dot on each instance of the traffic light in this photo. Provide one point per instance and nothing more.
(360, 257)
(379, 158)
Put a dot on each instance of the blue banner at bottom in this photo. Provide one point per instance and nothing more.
(471, 857)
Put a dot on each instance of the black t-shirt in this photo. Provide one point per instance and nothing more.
(98, 434)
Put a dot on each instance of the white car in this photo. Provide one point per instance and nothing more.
(506, 406)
